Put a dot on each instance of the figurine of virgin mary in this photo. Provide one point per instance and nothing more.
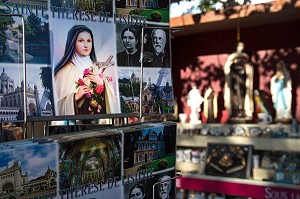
(281, 90)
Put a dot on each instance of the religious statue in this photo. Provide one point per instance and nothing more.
(194, 100)
(238, 91)
(210, 105)
(281, 90)
(13, 42)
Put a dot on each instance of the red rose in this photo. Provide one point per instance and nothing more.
(99, 89)
(86, 71)
(80, 82)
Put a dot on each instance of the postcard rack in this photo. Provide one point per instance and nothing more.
(26, 126)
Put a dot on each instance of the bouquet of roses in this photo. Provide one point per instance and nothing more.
(96, 94)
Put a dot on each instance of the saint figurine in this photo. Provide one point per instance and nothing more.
(194, 100)
(210, 105)
(281, 90)
(238, 91)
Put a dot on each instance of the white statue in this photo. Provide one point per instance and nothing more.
(194, 100)
(281, 90)
(14, 45)
(13, 42)
(19, 35)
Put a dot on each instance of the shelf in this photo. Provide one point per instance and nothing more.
(188, 126)
(274, 144)
(234, 186)
(238, 187)
(189, 167)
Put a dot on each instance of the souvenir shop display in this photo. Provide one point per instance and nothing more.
(245, 97)
(96, 163)
(250, 110)
(228, 160)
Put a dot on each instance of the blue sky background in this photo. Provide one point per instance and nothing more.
(156, 129)
(125, 72)
(35, 160)
(153, 73)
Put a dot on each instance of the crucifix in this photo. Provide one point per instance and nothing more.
(106, 64)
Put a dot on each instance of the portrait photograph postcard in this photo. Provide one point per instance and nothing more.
(162, 185)
(98, 96)
(156, 47)
(128, 40)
